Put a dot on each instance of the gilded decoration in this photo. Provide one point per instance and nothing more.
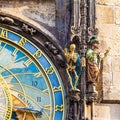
(74, 68)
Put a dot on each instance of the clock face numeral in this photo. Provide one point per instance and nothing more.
(34, 83)
(4, 33)
(15, 51)
(2, 47)
(28, 62)
(38, 99)
(22, 41)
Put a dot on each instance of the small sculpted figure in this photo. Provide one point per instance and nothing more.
(73, 66)
(94, 58)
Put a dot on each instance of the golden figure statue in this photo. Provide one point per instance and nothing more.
(73, 66)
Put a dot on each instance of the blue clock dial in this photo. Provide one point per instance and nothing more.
(35, 85)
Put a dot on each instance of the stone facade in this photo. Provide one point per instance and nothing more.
(108, 23)
(106, 112)
(53, 18)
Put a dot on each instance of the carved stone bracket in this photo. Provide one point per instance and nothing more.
(91, 97)
(74, 105)
(76, 31)
(91, 93)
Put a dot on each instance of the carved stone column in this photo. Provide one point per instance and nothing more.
(75, 27)
(74, 106)
(83, 47)
(82, 30)
(92, 32)
(75, 37)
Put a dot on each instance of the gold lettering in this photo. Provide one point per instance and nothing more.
(38, 54)
(28, 62)
(22, 41)
(57, 89)
(4, 33)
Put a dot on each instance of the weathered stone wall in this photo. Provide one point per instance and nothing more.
(40, 11)
(108, 23)
(106, 112)
(33, 13)
(51, 16)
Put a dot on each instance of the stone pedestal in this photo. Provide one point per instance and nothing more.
(74, 105)
(91, 92)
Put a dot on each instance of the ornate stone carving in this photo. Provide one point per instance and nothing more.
(76, 31)
(56, 52)
(92, 32)
(74, 105)
(7, 20)
(75, 28)
(52, 48)
(28, 30)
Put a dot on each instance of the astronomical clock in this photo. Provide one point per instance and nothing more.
(31, 87)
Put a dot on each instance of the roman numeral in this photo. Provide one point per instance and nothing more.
(4, 33)
(57, 89)
(22, 41)
(37, 75)
(14, 52)
(28, 62)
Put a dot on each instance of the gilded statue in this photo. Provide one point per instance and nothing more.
(73, 66)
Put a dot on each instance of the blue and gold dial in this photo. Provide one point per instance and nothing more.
(35, 86)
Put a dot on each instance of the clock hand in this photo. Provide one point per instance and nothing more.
(28, 109)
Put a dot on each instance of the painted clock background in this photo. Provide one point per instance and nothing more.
(35, 87)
